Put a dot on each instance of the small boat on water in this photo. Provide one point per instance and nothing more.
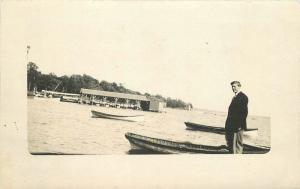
(139, 142)
(69, 99)
(130, 118)
(251, 132)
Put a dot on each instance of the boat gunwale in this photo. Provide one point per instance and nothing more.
(112, 115)
(219, 130)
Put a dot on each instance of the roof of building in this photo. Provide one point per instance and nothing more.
(154, 99)
(114, 94)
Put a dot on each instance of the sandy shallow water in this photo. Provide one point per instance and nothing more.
(62, 127)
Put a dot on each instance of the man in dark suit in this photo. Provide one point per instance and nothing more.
(236, 119)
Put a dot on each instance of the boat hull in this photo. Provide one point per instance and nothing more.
(218, 130)
(171, 147)
(129, 118)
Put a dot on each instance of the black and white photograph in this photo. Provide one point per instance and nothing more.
(133, 84)
(149, 84)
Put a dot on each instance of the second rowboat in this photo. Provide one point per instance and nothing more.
(130, 118)
(251, 132)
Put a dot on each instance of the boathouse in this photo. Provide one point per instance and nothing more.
(156, 105)
(122, 100)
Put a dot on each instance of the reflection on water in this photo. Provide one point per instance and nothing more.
(56, 127)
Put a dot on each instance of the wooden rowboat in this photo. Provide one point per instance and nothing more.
(130, 118)
(218, 130)
(139, 142)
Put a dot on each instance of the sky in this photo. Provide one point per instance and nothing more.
(185, 50)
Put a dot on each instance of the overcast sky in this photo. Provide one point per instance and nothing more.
(190, 50)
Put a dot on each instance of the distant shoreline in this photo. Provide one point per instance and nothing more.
(223, 112)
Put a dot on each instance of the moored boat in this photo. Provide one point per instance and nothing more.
(173, 147)
(69, 99)
(251, 132)
(130, 118)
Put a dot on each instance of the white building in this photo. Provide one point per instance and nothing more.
(156, 105)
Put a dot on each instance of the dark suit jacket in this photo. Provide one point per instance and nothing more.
(237, 113)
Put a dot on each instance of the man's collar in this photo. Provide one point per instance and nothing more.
(237, 93)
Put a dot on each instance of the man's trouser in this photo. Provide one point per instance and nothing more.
(234, 141)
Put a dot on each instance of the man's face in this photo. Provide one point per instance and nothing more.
(235, 88)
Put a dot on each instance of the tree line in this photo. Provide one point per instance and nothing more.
(39, 81)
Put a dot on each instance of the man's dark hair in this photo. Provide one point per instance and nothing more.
(236, 82)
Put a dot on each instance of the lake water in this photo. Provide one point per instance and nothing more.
(62, 127)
